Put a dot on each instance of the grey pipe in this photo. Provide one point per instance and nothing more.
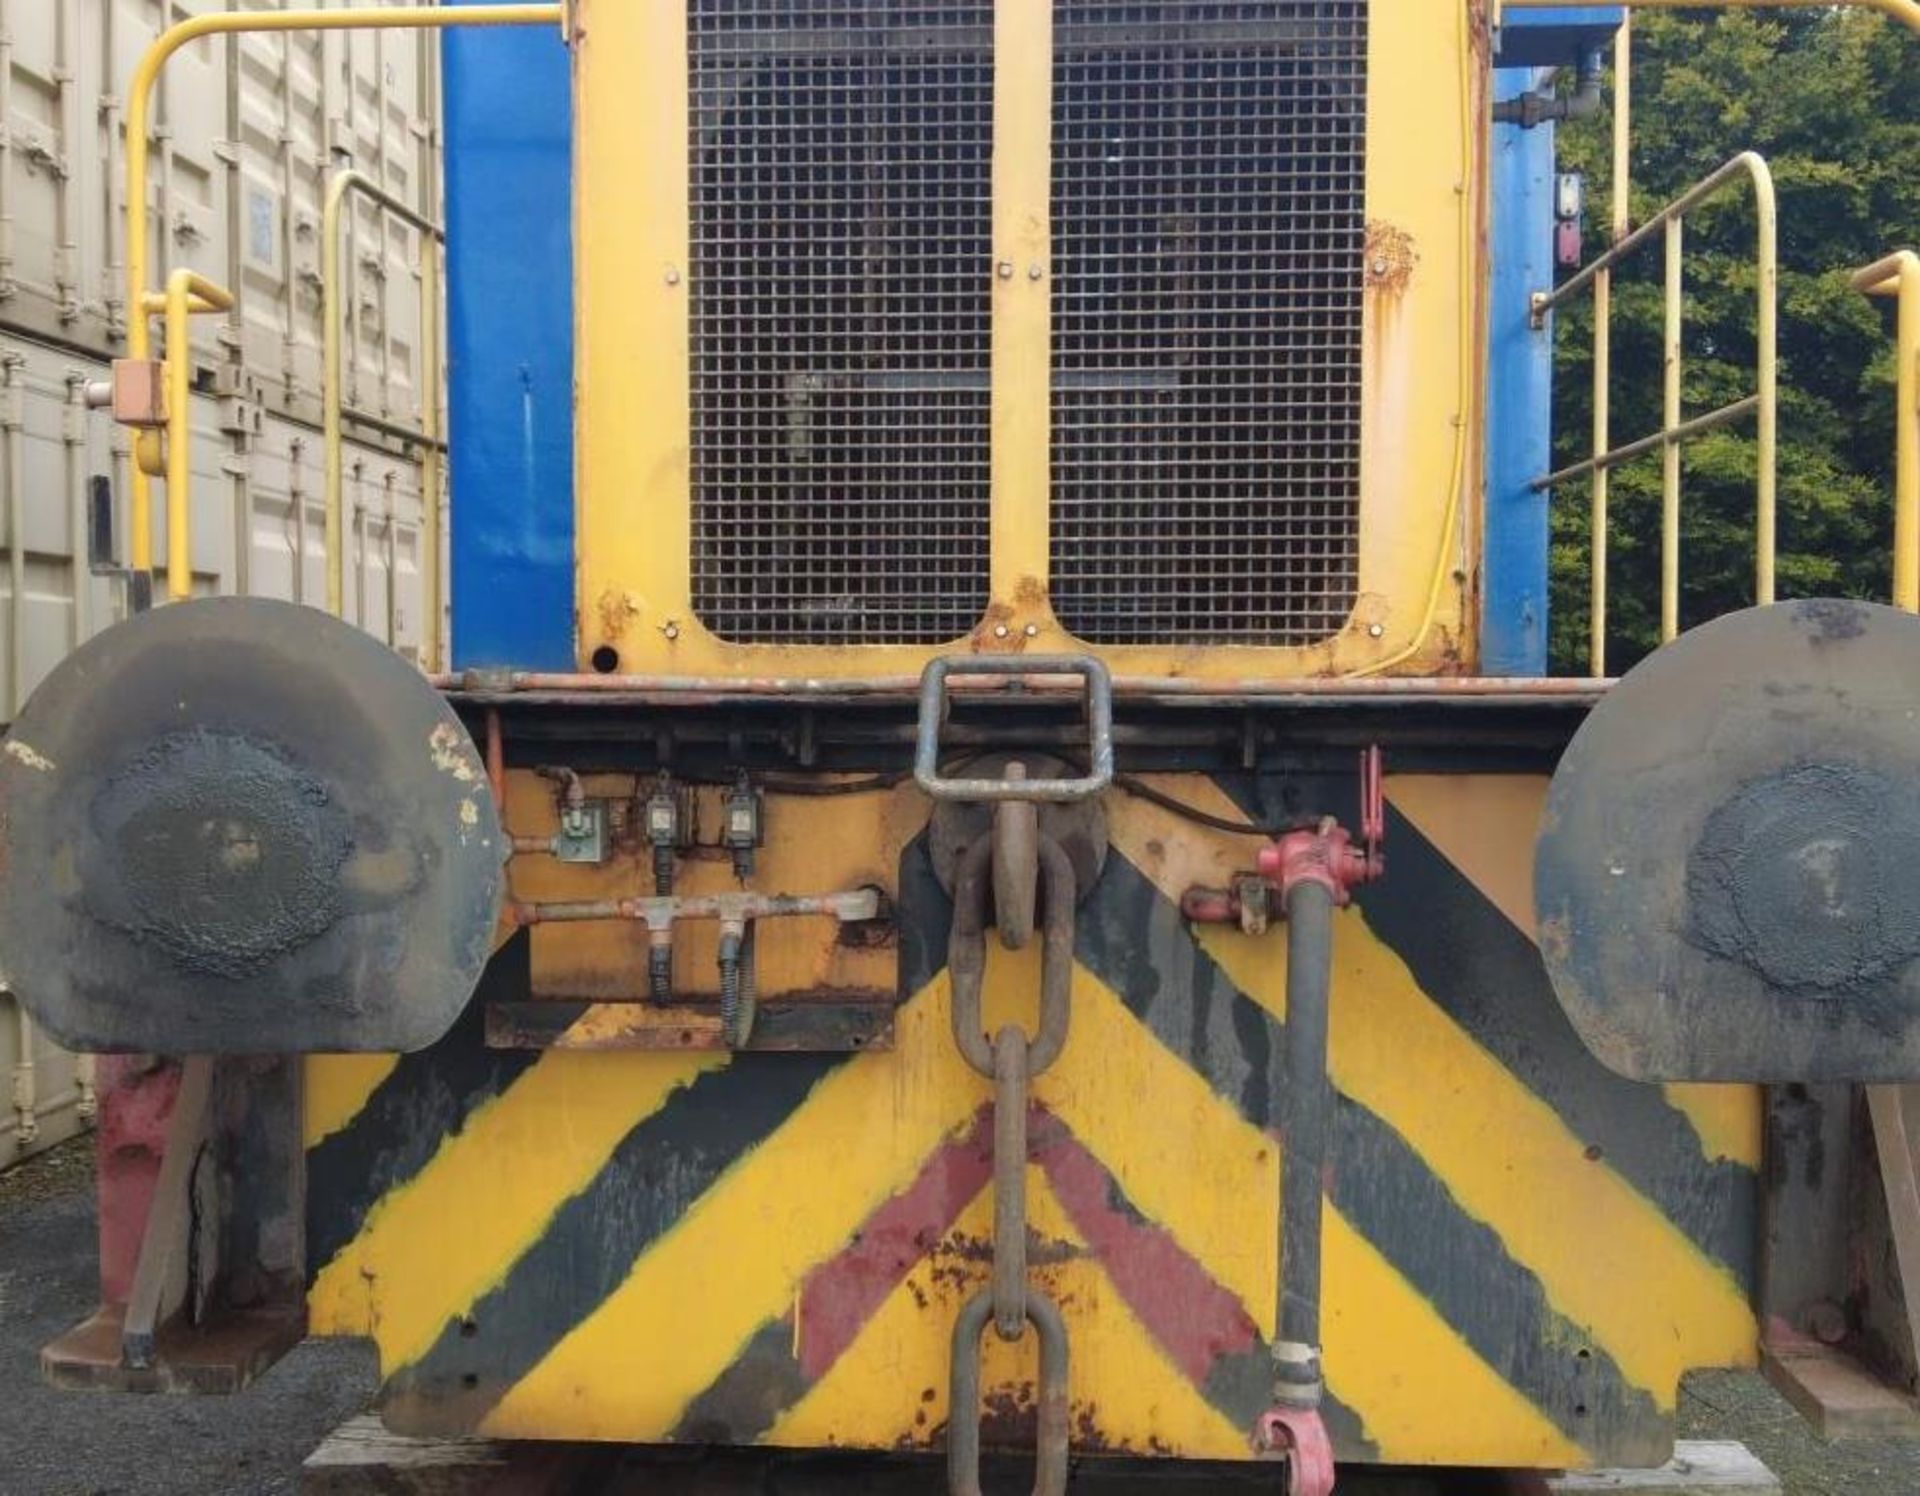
(1307, 1107)
(1543, 106)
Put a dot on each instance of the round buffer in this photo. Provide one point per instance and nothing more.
(237, 826)
(1728, 873)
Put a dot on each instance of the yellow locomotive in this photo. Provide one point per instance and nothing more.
(972, 876)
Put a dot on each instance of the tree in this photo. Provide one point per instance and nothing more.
(1831, 98)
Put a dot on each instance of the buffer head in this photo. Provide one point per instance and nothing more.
(1728, 874)
(238, 826)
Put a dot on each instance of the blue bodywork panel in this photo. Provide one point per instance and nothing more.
(1519, 393)
(510, 346)
(1554, 38)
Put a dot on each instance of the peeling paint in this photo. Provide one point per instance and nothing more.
(451, 754)
(30, 757)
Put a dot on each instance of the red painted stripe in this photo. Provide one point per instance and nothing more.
(841, 1294)
(1194, 1319)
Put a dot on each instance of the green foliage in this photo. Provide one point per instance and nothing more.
(1831, 98)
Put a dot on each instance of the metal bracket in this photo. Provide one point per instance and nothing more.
(216, 1292)
(934, 698)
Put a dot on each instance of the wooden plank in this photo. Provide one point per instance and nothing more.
(1840, 1398)
(362, 1458)
(1891, 1109)
(1698, 1468)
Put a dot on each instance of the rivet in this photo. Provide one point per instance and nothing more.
(1376, 630)
(673, 277)
(1000, 631)
(1033, 631)
(1004, 269)
(1034, 272)
(671, 630)
(1380, 267)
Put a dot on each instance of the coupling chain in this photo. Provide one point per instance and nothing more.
(1010, 1061)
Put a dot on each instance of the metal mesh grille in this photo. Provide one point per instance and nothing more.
(1209, 240)
(842, 217)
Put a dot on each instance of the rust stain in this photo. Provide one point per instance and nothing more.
(995, 633)
(1391, 257)
(617, 610)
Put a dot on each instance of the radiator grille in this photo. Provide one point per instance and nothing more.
(841, 219)
(1209, 239)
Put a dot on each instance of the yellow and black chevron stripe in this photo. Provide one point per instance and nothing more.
(1523, 1251)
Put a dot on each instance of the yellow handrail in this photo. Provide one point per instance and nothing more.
(1675, 432)
(332, 415)
(186, 294)
(1907, 11)
(138, 130)
(1899, 275)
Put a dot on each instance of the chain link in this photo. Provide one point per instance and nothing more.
(1011, 1062)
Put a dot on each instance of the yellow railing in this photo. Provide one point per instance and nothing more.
(333, 407)
(1677, 429)
(1899, 275)
(139, 295)
(186, 294)
(1905, 11)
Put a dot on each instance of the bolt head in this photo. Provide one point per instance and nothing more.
(1376, 630)
(673, 277)
(1004, 270)
(1033, 631)
(672, 631)
(1000, 631)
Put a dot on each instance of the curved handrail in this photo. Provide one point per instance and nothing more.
(1899, 275)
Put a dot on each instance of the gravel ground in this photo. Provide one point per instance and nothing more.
(70, 1444)
(67, 1444)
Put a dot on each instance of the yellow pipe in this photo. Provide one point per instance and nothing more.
(139, 129)
(1767, 378)
(1670, 454)
(1619, 223)
(1899, 275)
(186, 294)
(332, 421)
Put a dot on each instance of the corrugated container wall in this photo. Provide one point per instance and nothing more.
(250, 133)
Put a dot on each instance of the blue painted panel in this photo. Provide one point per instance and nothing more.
(1555, 38)
(510, 346)
(1519, 394)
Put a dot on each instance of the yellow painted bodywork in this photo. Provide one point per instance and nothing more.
(1420, 381)
(1620, 1278)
